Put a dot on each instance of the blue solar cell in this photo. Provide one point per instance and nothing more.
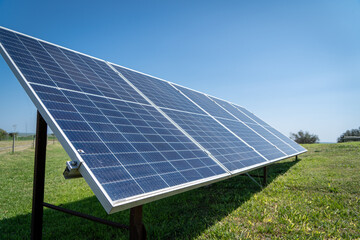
(156, 183)
(182, 165)
(191, 175)
(174, 179)
(123, 189)
(141, 170)
(101, 160)
(111, 174)
(136, 158)
(205, 172)
(81, 136)
(154, 157)
(217, 169)
(163, 146)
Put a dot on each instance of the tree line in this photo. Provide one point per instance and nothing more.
(306, 137)
(4, 134)
(350, 135)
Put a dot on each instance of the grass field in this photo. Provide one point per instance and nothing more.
(316, 197)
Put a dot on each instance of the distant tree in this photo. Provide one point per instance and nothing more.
(3, 133)
(304, 137)
(13, 134)
(353, 133)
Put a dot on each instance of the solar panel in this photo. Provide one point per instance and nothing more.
(261, 130)
(281, 145)
(137, 138)
(251, 115)
(258, 142)
(127, 146)
(161, 93)
(276, 133)
(177, 105)
(224, 146)
(293, 144)
(125, 143)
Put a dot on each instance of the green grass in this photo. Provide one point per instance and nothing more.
(317, 197)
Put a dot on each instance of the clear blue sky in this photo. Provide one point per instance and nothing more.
(296, 64)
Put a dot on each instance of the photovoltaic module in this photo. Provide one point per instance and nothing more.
(137, 138)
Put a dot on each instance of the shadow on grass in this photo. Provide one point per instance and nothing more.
(182, 216)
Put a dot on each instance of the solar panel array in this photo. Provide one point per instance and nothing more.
(138, 137)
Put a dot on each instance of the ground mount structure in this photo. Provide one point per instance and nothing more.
(133, 137)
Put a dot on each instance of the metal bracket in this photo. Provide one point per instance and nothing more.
(72, 170)
(264, 177)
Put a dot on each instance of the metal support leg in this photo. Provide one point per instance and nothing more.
(296, 158)
(137, 228)
(39, 178)
(265, 176)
